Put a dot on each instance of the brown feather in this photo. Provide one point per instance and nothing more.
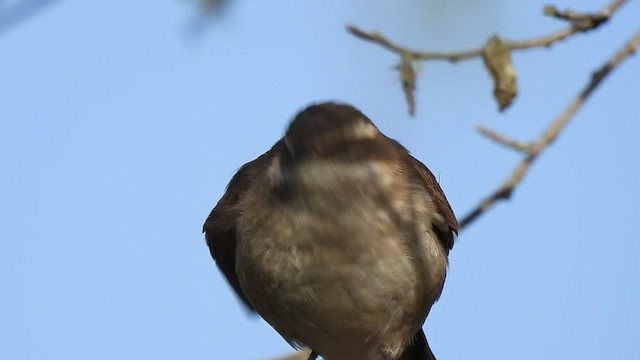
(324, 132)
(220, 226)
(447, 227)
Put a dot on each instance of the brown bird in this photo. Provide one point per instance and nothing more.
(337, 237)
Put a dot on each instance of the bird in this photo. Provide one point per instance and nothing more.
(337, 237)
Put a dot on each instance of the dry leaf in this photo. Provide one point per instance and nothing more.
(408, 79)
(497, 59)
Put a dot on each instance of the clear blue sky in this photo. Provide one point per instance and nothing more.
(119, 129)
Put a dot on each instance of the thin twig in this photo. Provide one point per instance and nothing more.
(580, 19)
(505, 190)
(504, 141)
(376, 37)
(587, 22)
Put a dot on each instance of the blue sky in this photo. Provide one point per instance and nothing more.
(120, 127)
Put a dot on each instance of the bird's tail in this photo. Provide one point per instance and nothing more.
(418, 349)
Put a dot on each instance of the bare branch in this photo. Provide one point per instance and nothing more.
(504, 141)
(496, 52)
(505, 190)
(584, 20)
(376, 37)
(587, 22)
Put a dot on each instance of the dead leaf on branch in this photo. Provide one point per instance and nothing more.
(408, 80)
(497, 59)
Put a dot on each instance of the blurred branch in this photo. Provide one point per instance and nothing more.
(578, 23)
(212, 6)
(12, 15)
(534, 149)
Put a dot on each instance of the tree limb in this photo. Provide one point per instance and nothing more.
(552, 132)
(496, 52)
(577, 23)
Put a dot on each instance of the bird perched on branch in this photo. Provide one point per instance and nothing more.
(337, 237)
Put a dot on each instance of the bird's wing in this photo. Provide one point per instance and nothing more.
(220, 226)
(445, 224)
